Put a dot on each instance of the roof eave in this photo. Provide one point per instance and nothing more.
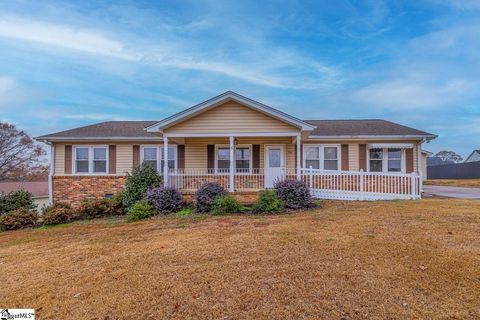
(378, 137)
(58, 139)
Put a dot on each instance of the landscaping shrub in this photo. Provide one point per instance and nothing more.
(140, 210)
(225, 204)
(294, 193)
(185, 212)
(142, 178)
(115, 205)
(58, 213)
(268, 202)
(93, 208)
(165, 199)
(15, 200)
(98, 208)
(206, 194)
(18, 218)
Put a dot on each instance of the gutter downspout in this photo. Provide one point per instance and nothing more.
(50, 173)
(420, 165)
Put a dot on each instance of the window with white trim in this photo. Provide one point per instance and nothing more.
(386, 160)
(324, 157)
(150, 156)
(394, 163)
(242, 154)
(153, 156)
(376, 160)
(90, 159)
(223, 160)
(330, 158)
(171, 157)
(242, 159)
(312, 157)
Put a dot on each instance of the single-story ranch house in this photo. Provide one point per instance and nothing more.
(339, 159)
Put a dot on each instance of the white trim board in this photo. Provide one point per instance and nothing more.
(119, 139)
(372, 137)
(226, 134)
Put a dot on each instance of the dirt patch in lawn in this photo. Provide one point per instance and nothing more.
(466, 183)
(400, 259)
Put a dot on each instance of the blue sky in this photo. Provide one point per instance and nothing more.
(66, 64)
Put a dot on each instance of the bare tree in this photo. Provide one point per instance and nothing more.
(449, 156)
(19, 155)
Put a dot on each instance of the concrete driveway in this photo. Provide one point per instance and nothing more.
(451, 192)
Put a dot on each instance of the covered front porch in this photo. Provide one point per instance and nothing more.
(258, 161)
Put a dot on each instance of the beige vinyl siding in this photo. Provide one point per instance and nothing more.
(59, 159)
(353, 157)
(415, 157)
(124, 158)
(231, 117)
(196, 155)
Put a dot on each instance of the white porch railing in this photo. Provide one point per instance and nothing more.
(352, 185)
(324, 184)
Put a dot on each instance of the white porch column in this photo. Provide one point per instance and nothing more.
(165, 161)
(232, 164)
(299, 144)
(420, 165)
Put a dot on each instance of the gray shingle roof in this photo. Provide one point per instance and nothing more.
(135, 129)
(109, 129)
(367, 127)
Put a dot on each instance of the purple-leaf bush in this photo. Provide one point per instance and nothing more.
(165, 199)
(294, 193)
(206, 194)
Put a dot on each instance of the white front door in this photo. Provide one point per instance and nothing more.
(274, 164)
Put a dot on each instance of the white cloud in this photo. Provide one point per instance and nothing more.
(174, 53)
(76, 39)
(12, 93)
(408, 94)
(6, 84)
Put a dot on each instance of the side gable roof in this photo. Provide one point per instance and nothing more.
(224, 97)
(109, 130)
(365, 127)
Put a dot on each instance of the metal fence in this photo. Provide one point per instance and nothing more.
(466, 170)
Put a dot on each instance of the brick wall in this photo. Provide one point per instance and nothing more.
(73, 189)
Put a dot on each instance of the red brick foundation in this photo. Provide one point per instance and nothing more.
(73, 189)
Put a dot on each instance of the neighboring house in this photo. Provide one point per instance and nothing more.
(196, 145)
(39, 190)
(474, 156)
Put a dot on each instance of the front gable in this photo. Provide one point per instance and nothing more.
(230, 113)
(231, 117)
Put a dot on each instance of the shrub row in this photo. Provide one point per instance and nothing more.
(144, 197)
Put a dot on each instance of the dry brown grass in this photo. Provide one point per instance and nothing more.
(408, 260)
(468, 183)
